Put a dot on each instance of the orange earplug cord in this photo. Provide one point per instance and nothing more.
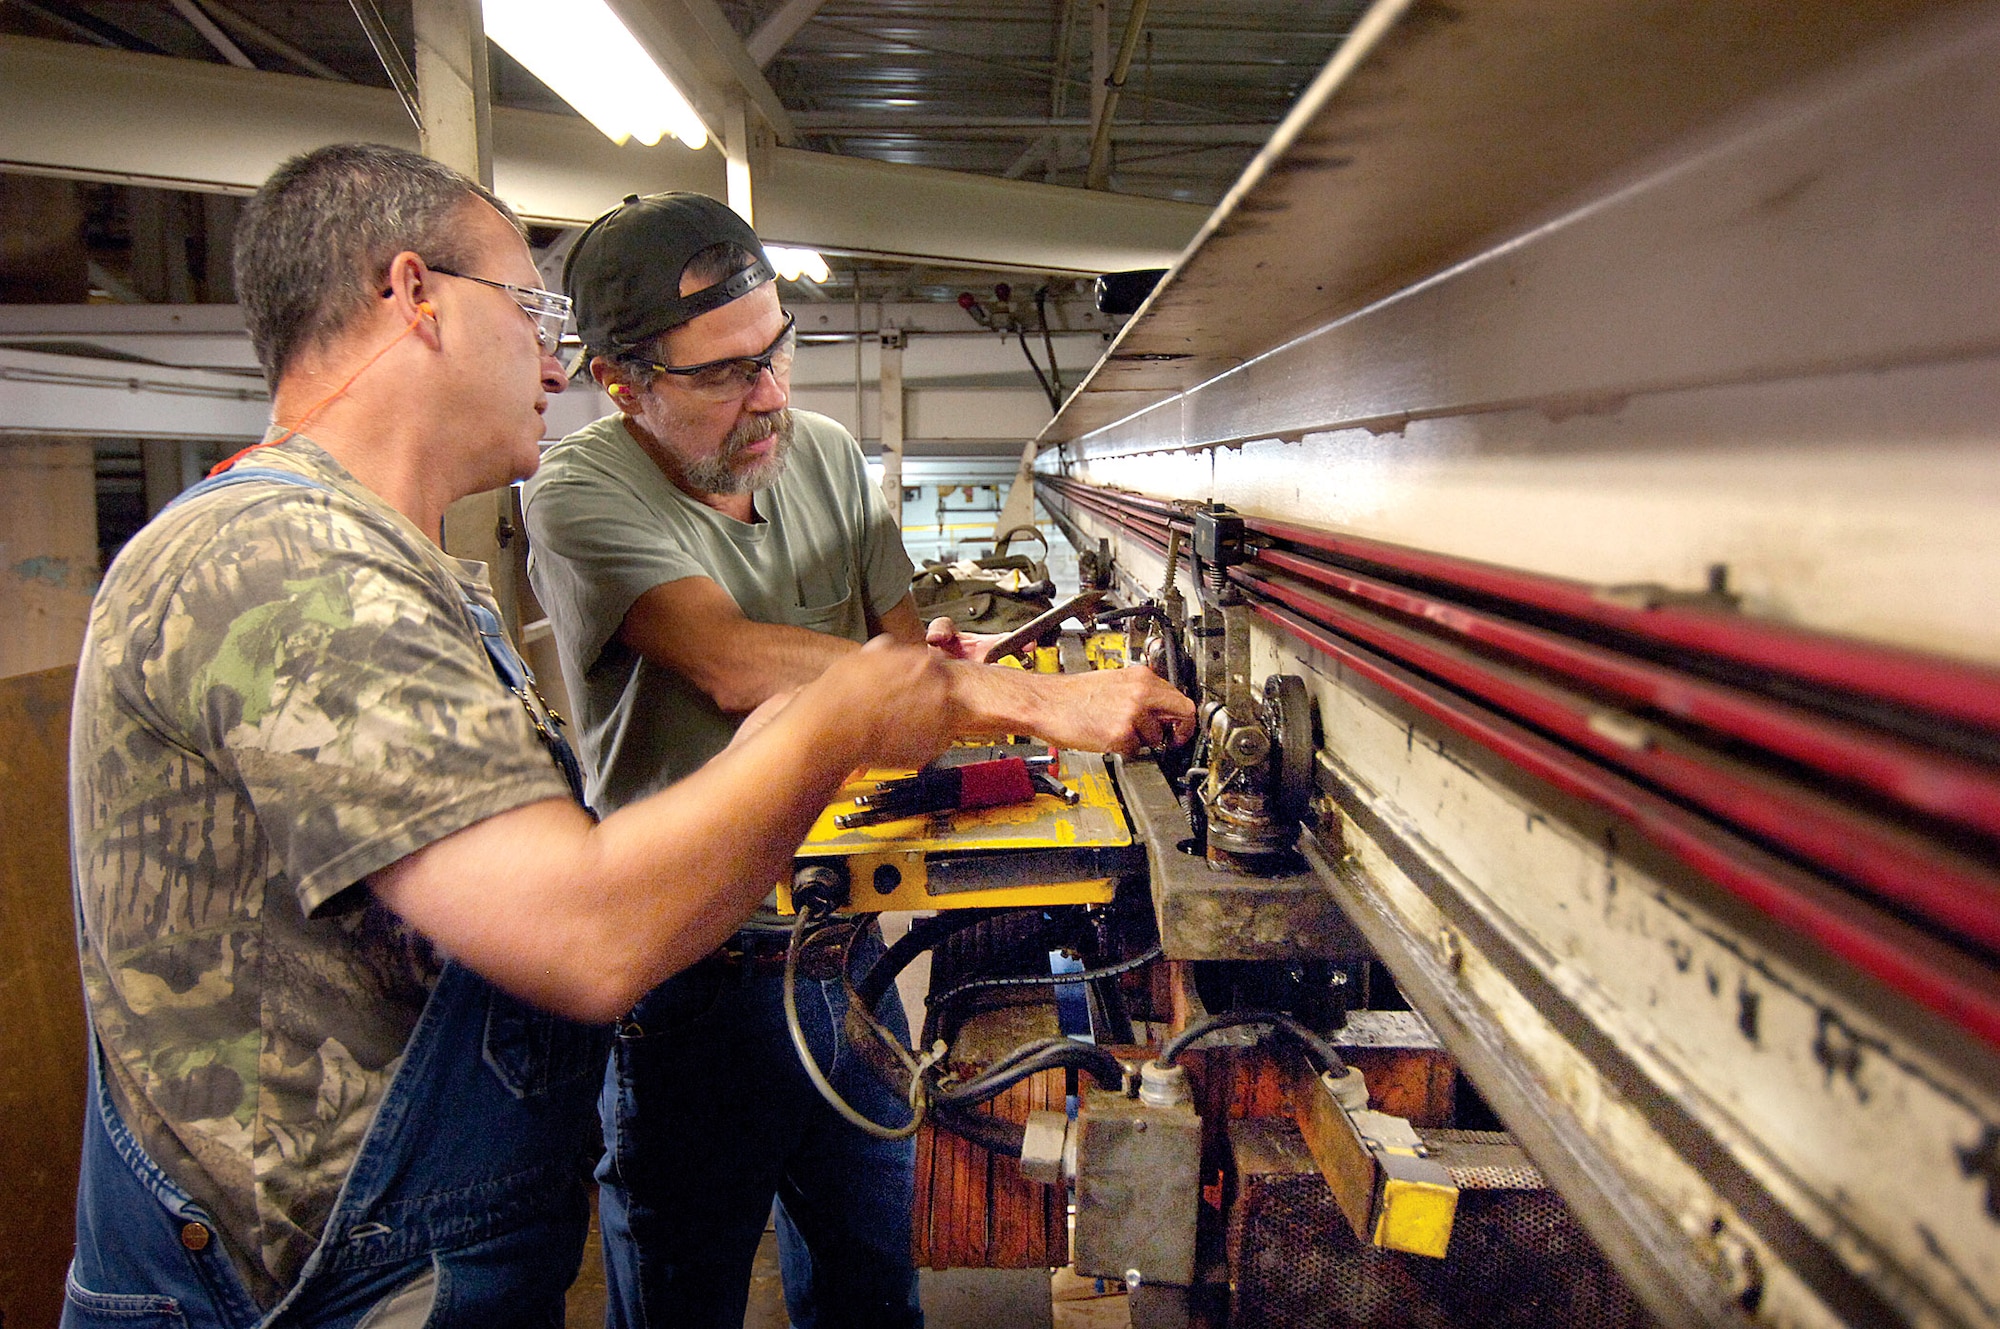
(425, 309)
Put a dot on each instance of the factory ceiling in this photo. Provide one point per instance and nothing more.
(982, 118)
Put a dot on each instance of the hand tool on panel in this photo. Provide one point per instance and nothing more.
(980, 784)
(1042, 628)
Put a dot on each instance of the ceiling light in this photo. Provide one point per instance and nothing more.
(591, 60)
(793, 264)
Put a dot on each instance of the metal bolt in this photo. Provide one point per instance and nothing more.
(1451, 949)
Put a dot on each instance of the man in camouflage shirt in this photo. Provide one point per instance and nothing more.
(330, 882)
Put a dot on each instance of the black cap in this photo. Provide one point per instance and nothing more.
(624, 271)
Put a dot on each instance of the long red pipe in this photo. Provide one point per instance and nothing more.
(1950, 891)
(1924, 970)
(1959, 691)
(1932, 783)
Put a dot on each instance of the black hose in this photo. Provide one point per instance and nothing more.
(1103, 1067)
(924, 933)
(1314, 1045)
(995, 1134)
(1046, 980)
(1048, 342)
(1055, 402)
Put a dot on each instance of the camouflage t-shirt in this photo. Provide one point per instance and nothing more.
(280, 693)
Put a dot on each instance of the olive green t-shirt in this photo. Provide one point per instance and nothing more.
(280, 692)
(605, 526)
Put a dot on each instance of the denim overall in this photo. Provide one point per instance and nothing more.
(472, 1170)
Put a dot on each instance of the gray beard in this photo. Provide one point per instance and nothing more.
(728, 473)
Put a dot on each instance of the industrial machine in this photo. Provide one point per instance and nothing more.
(1563, 472)
(1161, 875)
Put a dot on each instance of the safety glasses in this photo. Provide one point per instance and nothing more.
(545, 309)
(731, 378)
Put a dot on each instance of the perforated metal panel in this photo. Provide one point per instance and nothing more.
(1518, 1260)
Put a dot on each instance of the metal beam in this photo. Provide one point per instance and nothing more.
(259, 35)
(213, 35)
(1098, 175)
(781, 27)
(68, 110)
(1017, 126)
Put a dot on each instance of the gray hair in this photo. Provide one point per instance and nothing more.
(718, 262)
(314, 244)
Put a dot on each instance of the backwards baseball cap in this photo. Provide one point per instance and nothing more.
(624, 271)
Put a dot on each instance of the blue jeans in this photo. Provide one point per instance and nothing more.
(708, 1117)
(472, 1170)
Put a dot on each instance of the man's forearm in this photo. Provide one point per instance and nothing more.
(1110, 710)
(758, 661)
(583, 918)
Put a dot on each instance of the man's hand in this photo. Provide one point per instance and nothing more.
(901, 696)
(1116, 710)
(1105, 710)
(943, 636)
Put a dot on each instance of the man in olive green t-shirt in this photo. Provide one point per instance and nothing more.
(700, 551)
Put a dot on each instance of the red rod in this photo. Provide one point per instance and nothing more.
(1897, 865)
(1942, 687)
(1933, 783)
(1924, 970)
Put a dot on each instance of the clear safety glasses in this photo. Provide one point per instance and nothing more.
(545, 309)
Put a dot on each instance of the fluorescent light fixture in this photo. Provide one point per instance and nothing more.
(591, 60)
(793, 264)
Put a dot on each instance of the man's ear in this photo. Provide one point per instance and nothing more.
(611, 377)
(403, 290)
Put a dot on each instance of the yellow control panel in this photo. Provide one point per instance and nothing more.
(1046, 852)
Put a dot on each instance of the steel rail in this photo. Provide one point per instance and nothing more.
(1964, 692)
(1905, 869)
(1927, 782)
(1927, 971)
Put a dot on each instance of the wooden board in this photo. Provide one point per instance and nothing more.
(42, 1032)
(974, 1210)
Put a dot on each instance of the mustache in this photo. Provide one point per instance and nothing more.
(754, 430)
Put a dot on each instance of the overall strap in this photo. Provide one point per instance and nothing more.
(507, 661)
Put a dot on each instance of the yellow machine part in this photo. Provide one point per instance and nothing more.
(890, 865)
(1414, 1214)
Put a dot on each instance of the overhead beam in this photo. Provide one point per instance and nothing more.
(781, 27)
(1017, 126)
(213, 35)
(68, 110)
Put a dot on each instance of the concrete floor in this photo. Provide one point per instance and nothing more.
(953, 1298)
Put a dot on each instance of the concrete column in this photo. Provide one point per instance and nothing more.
(453, 93)
(890, 381)
(452, 86)
(48, 550)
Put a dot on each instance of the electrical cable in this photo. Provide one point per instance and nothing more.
(1050, 980)
(1329, 1058)
(1106, 1069)
(924, 934)
(1048, 342)
(918, 1100)
(1055, 402)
